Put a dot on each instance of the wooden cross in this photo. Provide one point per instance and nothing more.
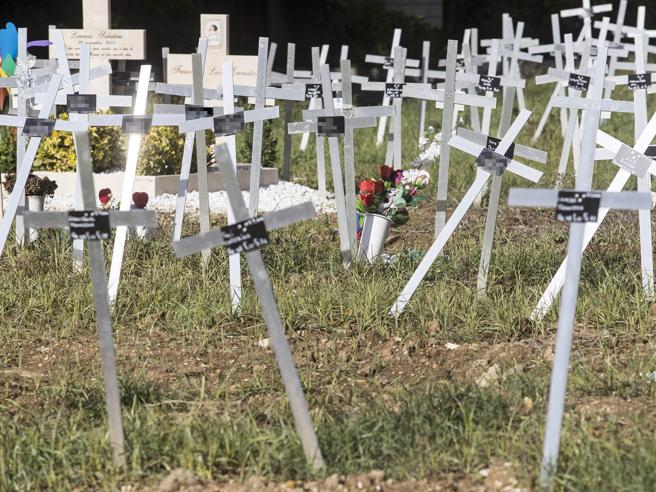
(102, 100)
(588, 202)
(315, 77)
(248, 235)
(579, 207)
(394, 91)
(106, 43)
(586, 12)
(393, 74)
(632, 162)
(495, 192)
(492, 161)
(556, 49)
(93, 226)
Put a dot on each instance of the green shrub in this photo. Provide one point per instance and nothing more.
(57, 152)
(269, 144)
(161, 152)
(7, 149)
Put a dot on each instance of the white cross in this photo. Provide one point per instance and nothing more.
(248, 235)
(586, 12)
(395, 91)
(484, 156)
(389, 66)
(579, 207)
(95, 226)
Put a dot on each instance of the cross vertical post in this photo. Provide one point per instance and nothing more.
(289, 107)
(258, 129)
(445, 150)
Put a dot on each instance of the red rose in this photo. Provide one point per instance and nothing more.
(378, 186)
(367, 186)
(140, 199)
(386, 172)
(105, 195)
(367, 199)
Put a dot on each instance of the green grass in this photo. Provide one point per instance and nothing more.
(199, 393)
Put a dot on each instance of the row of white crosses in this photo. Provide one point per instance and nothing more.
(58, 89)
(580, 207)
(642, 132)
(332, 123)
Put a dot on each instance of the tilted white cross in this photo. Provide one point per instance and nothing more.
(248, 235)
(492, 161)
(92, 226)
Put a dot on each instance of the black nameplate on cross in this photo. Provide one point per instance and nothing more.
(394, 89)
(195, 112)
(578, 206)
(651, 152)
(330, 126)
(81, 103)
(229, 124)
(638, 81)
(578, 82)
(136, 124)
(89, 225)
(489, 83)
(38, 127)
(492, 144)
(247, 235)
(313, 91)
(388, 64)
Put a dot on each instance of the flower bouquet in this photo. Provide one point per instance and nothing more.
(385, 202)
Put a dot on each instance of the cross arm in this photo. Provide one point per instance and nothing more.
(592, 104)
(625, 200)
(274, 220)
(522, 151)
(353, 112)
(521, 55)
(581, 12)
(250, 116)
(58, 220)
(381, 60)
(94, 73)
(514, 167)
(474, 78)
